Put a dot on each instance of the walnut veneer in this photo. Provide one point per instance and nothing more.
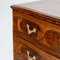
(36, 35)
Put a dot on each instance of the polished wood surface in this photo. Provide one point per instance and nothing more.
(36, 36)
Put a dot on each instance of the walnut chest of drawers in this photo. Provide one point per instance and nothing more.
(36, 30)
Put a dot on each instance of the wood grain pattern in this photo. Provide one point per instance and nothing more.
(53, 38)
(40, 35)
(46, 38)
(40, 50)
(38, 15)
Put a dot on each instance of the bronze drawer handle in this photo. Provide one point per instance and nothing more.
(31, 56)
(30, 31)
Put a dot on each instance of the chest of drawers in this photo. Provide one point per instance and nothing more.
(36, 34)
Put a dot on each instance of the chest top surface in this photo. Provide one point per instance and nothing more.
(51, 7)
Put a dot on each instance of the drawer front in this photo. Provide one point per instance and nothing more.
(23, 52)
(29, 28)
(46, 33)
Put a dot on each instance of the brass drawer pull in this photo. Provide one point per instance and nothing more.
(30, 28)
(31, 56)
(30, 31)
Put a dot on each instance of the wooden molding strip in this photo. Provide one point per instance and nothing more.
(42, 16)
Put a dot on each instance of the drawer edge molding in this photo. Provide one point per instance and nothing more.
(42, 16)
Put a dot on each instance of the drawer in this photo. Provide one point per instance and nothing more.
(44, 32)
(23, 52)
(28, 27)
